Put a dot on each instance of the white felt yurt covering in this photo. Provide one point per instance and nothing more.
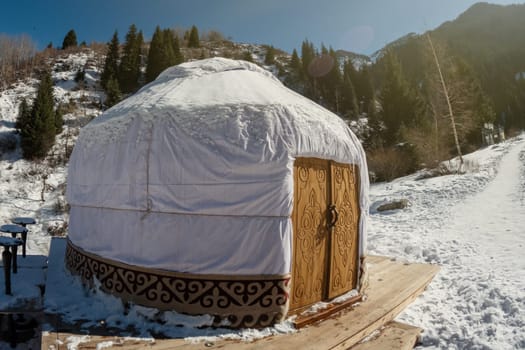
(194, 173)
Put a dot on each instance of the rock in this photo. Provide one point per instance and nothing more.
(394, 205)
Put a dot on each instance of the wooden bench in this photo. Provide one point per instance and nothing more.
(9, 258)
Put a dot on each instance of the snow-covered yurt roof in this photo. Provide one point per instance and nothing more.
(194, 173)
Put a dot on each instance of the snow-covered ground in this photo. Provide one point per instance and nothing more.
(23, 191)
(472, 225)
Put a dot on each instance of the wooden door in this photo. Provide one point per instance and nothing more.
(345, 234)
(309, 264)
(325, 259)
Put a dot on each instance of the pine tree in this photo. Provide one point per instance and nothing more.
(140, 41)
(140, 58)
(113, 95)
(330, 84)
(361, 83)
(59, 120)
(479, 107)
(154, 65)
(363, 88)
(269, 58)
(70, 40)
(129, 69)
(399, 104)
(247, 56)
(24, 115)
(349, 106)
(295, 64)
(373, 139)
(179, 57)
(80, 76)
(111, 64)
(38, 134)
(168, 54)
(193, 39)
(308, 54)
(324, 50)
(294, 79)
(516, 107)
(162, 53)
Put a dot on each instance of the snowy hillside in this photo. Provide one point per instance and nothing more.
(37, 189)
(358, 60)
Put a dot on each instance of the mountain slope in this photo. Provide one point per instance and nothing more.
(490, 39)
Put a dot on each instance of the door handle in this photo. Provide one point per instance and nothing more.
(333, 216)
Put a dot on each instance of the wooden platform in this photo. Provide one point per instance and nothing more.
(394, 335)
(393, 285)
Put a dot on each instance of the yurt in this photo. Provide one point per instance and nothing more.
(217, 190)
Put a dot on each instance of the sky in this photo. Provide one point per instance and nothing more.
(362, 26)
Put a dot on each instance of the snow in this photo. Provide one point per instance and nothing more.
(25, 284)
(470, 224)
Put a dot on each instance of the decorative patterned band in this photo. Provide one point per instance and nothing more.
(245, 301)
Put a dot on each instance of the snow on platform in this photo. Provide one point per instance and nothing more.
(26, 285)
(393, 285)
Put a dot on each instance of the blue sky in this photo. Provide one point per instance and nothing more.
(357, 25)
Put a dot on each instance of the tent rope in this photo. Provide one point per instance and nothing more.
(149, 202)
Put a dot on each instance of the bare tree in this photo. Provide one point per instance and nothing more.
(456, 107)
(448, 99)
(212, 35)
(16, 58)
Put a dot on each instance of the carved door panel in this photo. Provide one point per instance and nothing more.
(325, 257)
(344, 248)
(310, 256)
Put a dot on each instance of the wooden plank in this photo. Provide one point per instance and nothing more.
(394, 336)
(376, 259)
(393, 285)
(391, 309)
(386, 299)
(305, 320)
(60, 341)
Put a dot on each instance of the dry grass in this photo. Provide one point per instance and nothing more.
(386, 164)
